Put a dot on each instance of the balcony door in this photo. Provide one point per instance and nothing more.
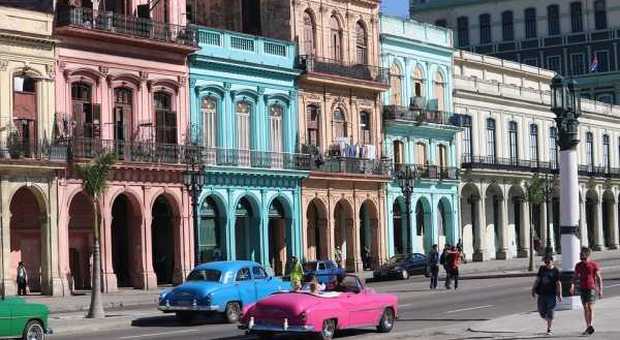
(25, 113)
(123, 100)
(313, 113)
(335, 39)
(86, 114)
(165, 119)
(399, 152)
(243, 125)
(420, 154)
(276, 135)
(442, 152)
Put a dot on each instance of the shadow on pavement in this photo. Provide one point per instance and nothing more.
(340, 334)
(172, 321)
(441, 319)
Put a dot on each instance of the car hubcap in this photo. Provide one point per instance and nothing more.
(388, 318)
(405, 274)
(233, 311)
(328, 329)
(35, 332)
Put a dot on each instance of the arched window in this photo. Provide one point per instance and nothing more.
(309, 34)
(25, 111)
(365, 136)
(395, 85)
(242, 112)
(123, 100)
(275, 124)
(335, 39)
(209, 113)
(420, 154)
(418, 82)
(313, 113)
(86, 115)
(165, 119)
(361, 43)
(339, 123)
(439, 89)
(442, 152)
(399, 153)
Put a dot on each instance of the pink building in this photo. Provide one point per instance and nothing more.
(121, 85)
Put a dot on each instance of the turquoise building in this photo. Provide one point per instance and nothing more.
(420, 132)
(243, 111)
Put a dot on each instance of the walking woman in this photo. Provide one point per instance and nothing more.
(549, 290)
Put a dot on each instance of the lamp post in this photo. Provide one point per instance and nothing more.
(547, 192)
(406, 178)
(194, 180)
(567, 108)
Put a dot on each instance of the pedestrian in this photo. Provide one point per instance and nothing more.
(22, 279)
(454, 262)
(459, 246)
(297, 273)
(443, 261)
(338, 256)
(549, 290)
(366, 258)
(433, 265)
(588, 274)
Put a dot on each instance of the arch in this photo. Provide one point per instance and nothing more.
(369, 234)
(317, 230)
(335, 37)
(400, 222)
(396, 86)
(361, 42)
(169, 85)
(27, 228)
(309, 32)
(470, 220)
(592, 199)
(126, 77)
(164, 228)
(423, 223)
(343, 233)
(247, 229)
(212, 229)
(126, 222)
(89, 73)
(81, 239)
(280, 230)
(493, 210)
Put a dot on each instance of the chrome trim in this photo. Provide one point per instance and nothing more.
(188, 308)
(280, 329)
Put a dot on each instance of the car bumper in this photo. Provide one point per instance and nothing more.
(258, 328)
(166, 308)
(49, 331)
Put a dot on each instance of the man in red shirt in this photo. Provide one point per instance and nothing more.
(590, 283)
(454, 260)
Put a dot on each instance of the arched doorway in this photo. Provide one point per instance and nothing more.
(402, 234)
(280, 238)
(162, 240)
(343, 233)
(608, 218)
(369, 236)
(494, 227)
(126, 242)
(81, 220)
(247, 231)
(471, 229)
(212, 231)
(27, 215)
(591, 218)
(516, 218)
(317, 231)
(423, 224)
(445, 224)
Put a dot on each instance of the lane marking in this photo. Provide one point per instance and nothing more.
(159, 334)
(614, 285)
(467, 309)
(406, 305)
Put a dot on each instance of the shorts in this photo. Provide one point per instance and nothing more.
(588, 296)
(546, 306)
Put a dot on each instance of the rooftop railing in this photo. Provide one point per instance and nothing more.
(126, 25)
(371, 73)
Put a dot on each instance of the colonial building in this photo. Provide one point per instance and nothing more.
(244, 113)
(121, 86)
(568, 37)
(339, 113)
(420, 132)
(509, 135)
(29, 163)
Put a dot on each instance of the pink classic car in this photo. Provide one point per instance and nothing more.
(349, 304)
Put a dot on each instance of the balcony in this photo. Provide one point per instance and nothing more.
(419, 115)
(351, 166)
(356, 75)
(129, 151)
(507, 164)
(432, 172)
(255, 159)
(109, 26)
(16, 150)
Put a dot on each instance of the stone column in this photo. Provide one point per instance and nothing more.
(108, 276)
(543, 227)
(501, 252)
(599, 241)
(524, 247)
(8, 273)
(148, 273)
(583, 223)
(480, 227)
(613, 221)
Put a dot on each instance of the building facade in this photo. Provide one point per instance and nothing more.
(568, 37)
(244, 113)
(115, 94)
(419, 131)
(508, 136)
(30, 162)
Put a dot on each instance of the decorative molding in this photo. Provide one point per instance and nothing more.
(3, 64)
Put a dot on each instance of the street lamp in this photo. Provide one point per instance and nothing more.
(567, 108)
(548, 193)
(406, 178)
(194, 180)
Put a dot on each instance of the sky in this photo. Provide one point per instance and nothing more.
(395, 7)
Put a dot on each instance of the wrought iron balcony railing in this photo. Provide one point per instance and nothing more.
(126, 25)
(371, 73)
(353, 166)
(130, 151)
(255, 159)
(509, 164)
(14, 149)
(431, 171)
(418, 115)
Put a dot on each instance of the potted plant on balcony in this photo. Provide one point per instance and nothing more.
(14, 144)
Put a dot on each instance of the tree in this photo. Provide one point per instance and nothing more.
(94, 181)
(535, 195)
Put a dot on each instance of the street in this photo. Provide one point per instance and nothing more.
(421, 309)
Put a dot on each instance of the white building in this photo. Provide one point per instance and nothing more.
(509, 134)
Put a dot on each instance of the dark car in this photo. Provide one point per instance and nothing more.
(402, 266)
(326, 271)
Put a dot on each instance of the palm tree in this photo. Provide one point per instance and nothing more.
(94, 181)
(535, 195)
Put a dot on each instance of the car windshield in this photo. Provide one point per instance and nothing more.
(210, 275)
(309, 266)
(396, 259)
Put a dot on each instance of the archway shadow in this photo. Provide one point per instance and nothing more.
(170, 320)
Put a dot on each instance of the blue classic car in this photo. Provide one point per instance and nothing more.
(220, 287)
(326, 271)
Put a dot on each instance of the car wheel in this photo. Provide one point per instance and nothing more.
(404, 274)
(184, 317)
(33, 331)
(233, 311)
(328, 330)
(387, 321)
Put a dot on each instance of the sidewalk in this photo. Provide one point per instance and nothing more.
(75, 323)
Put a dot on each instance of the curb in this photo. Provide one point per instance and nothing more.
(78, 325)
(115, 306)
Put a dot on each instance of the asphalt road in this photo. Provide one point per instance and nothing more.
(475, 300)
